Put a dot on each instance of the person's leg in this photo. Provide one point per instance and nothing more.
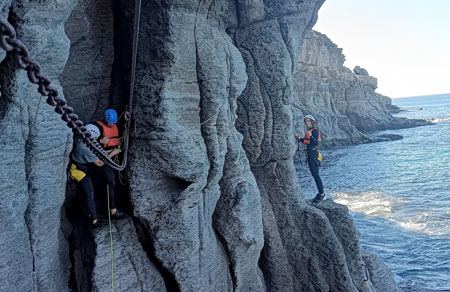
(88, 196)
(110, 177)
(314, 168)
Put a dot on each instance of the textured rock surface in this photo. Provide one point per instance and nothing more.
(344, 102)
(91, 32)
(35, 145)
(380, 274)
(216, 202)
(186, 158)
(4, 8)
(133, 270)
(301, 250)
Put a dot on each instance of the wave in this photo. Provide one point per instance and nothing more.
(395, 210)
(369, 203)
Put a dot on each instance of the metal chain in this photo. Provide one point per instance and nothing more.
(10, 43)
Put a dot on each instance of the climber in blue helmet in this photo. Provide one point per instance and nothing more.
(110, 140)
(111, 116)
(80, 172)
(109, 132)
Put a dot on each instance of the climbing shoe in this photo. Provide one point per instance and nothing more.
(318, 198)
(118, 215)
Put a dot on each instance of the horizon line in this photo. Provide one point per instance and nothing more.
(436, 94)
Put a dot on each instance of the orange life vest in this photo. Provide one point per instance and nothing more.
(112, 133)
(307, 138)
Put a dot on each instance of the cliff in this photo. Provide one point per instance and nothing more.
(214, 200)
(344, 101)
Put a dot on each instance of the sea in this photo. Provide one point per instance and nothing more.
(398, 193)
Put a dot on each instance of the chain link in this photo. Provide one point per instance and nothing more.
(10, 43)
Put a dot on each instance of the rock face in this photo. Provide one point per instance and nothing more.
(216, 205)
(344, 102)
(35, 145)
(187, 161)
(128, 252)
(91, 35)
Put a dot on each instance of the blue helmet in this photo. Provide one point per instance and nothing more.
(111, 116)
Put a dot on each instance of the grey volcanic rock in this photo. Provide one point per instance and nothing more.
(360, 71)
(186, 148)
(344, 102)
(35, 145)
(343, 226)
(214, 193)
(315, 83)
(301, 249)
(4, 9)
(133, 270)
(90, 29)
(379, 273)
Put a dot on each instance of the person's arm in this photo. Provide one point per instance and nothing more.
(104, 140)
(314, 138)
(111, 154)
(299, 138)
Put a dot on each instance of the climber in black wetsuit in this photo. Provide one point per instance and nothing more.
(79, 161)
(311, 139)
(81, 157)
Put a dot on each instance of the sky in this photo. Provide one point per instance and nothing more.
(405, 44)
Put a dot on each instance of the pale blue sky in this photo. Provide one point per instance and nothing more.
(405, 44)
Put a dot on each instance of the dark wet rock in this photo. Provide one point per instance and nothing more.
(386, 137)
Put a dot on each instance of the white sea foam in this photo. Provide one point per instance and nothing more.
(369, 203)
(383, 205)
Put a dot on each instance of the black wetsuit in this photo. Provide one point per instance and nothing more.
(81, 157)
(313, 162)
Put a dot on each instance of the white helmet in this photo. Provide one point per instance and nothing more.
(93, 130)
(309, 117)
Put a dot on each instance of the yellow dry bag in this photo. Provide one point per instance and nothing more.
(319, 156)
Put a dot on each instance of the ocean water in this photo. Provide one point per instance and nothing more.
(399, 193)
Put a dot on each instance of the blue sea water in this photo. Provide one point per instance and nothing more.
(399, 193)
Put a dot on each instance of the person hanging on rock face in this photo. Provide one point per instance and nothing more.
(80, 159)
(311, 139)
(110, 140)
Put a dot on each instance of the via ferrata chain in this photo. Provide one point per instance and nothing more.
(10, 43)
